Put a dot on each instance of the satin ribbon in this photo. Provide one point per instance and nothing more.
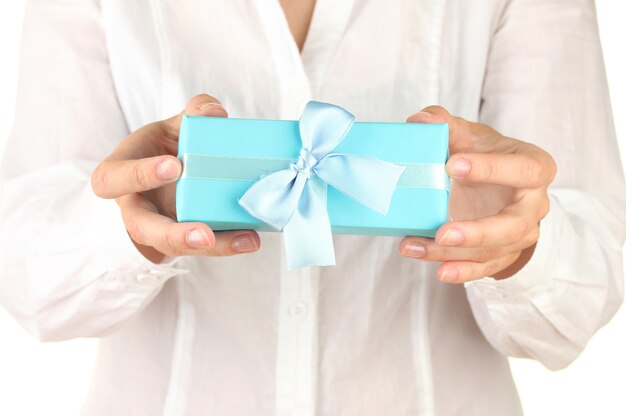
(250, 169)
(294, 199)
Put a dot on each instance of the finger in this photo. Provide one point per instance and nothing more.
(461, 136)
(514, 170)
(512, 226)
(433, 114)
(427, 249)
(205, 105)
(199, 105)
(147, 227)
(131, 169)
(465, 271)
(228, 243)
(164, 198)
(114, 178)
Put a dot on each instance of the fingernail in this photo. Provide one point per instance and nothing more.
(167, 170)
(449, 274)
(459, 167)
(414, 250)
(244, 244)
(451, 237)
(210, 107)
(197, 238)
(422, 115)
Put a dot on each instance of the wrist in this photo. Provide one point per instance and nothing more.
(522, 260)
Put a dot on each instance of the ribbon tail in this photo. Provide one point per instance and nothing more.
(308, 236)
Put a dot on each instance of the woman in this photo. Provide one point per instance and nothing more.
(210, 333)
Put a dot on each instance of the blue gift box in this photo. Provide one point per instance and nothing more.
(223, 157)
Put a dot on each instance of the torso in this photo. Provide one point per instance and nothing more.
(375, 334)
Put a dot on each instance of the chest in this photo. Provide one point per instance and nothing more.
(382, 60)
(298, 14)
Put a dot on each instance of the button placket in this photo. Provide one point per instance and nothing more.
(297, 310)
(297, 342)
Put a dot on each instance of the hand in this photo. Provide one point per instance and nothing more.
(498, 197)
(140, 175)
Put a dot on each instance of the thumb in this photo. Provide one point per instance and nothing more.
(205, 105)
(199, 105)
(461, 136)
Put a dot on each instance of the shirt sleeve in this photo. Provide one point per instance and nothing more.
(545, 83)
(67, 266)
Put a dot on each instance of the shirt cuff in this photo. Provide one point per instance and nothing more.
(535, 275)
(114, 252)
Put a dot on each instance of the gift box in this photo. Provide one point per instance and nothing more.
(223, 157)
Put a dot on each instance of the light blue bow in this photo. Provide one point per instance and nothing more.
(294, 200)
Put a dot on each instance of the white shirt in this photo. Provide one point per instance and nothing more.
(375, 335)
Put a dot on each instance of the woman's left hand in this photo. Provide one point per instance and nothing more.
(498, 197)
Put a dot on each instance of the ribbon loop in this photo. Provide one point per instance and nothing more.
(294, 200)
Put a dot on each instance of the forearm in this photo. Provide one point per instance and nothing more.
(571, 286)
(68, 267)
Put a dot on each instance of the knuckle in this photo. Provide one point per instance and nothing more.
(533, 170)
(436, 108)
(140, 177)
(490, 268)
(220, 250)
(480, 238)
(205, 97)
(532, 237)
(99, 180)
(548, 163)
(170, 127)
(482, 256)
(135, 232)
(544, 207)
(170, 243)
(441, 113)
(437, 253)
(473, 272)
(519, 229)
(486, 255)
(490, 171)
(465, 125)
(553, 168)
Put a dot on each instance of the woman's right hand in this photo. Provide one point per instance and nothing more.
(140, 175)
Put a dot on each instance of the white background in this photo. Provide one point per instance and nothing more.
(52, 379)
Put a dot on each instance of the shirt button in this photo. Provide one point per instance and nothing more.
(297, 310)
